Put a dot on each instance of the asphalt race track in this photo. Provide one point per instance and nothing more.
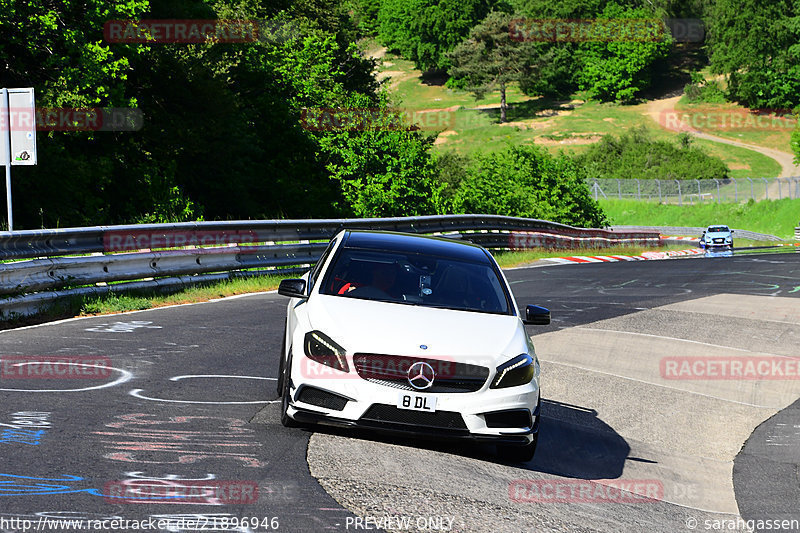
(184, 426)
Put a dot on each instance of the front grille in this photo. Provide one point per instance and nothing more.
(389, 415)
(392, 371)
(719, 241)
(321, 398)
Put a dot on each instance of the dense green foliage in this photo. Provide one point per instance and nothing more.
(425, 30)
(756, 43)
(222, 135)
(636, 154)
(528, 182)
(619, 68)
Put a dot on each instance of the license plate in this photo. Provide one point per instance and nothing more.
(416, 402)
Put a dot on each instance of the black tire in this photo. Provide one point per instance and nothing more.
(286, 420)
(518, 454)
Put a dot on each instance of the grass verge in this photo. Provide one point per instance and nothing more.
(774, 217)
(136, 301)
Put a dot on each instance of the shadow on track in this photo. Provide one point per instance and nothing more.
(573, 442)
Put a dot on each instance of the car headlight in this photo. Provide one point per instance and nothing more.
(320, 348)
(518, 371)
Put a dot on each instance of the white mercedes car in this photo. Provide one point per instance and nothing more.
(412, 334)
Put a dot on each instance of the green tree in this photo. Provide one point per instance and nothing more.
(384, 169)
(425, 30)
(635, 154)
(618, 65)
(529, 182)
(756, 44)
(489, 59)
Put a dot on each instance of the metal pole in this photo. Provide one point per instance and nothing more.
(658, 182)
(766, 189)
(717, 182)
(735, 191)
(699, 198)
(639, 189)
(780, 193)
(6, 128)
(680, 197)
(752, 190)
(619, 188)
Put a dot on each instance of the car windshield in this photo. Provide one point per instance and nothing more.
(718, 229)
(416, 279)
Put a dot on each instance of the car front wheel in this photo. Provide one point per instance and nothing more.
(286, 420)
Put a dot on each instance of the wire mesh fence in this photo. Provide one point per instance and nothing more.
(696, 191)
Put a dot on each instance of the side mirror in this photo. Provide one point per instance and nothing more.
(293, 288)
(732, 231)
(536, 315)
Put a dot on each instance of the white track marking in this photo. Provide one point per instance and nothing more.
(176, 378)
(137, 393)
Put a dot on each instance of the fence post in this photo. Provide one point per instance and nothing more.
(717, 182)
(699, 198)
(780, 193)
(752, 191)
(595, 190)
(639, 189)
(619, 188)
(680, 197)
(766, 189)
(658, 182)
(735, 190)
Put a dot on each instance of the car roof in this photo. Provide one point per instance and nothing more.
(422, 244)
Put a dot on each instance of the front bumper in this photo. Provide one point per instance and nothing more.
(458, 416)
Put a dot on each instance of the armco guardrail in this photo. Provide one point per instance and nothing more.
(170, 255)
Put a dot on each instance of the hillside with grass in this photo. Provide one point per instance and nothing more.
(466, 125)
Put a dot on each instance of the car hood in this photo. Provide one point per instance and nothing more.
(363, 326)
(718, 235)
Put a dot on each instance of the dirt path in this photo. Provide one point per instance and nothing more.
(658, 108)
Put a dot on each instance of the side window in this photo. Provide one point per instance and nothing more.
(315, 272)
